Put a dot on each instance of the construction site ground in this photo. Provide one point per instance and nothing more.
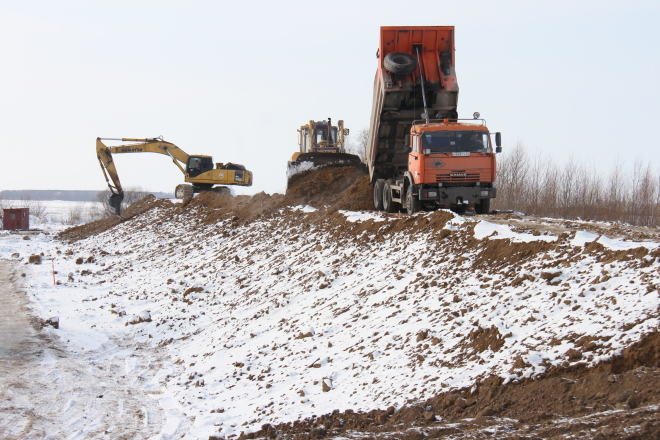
(309, 315)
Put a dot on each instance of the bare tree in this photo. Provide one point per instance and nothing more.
(358, 145)
(572, 190)
(512, 178)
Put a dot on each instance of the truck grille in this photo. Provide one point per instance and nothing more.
(457, 176)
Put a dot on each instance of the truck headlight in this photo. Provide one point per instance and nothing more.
(432, 194)
(485, 193)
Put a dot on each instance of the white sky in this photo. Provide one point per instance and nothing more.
(236, 79)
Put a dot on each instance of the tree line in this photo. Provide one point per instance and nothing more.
(535, 185)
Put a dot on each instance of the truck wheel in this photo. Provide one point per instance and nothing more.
(413, 204)
(483, 207)
(388, 204)
(378, 194)
(400, 63)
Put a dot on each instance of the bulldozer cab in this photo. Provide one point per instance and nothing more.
(321, 137)
(199, 164)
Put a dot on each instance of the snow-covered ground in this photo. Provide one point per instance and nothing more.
(232, 326)
(54, 215)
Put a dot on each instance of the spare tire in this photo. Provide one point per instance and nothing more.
(400, 63)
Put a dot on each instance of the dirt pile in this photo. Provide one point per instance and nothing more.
(450, 274)
(618, 399)
(338, 187)
(96, 227)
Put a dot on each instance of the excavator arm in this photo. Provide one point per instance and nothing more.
(197, 169)
(153, 145)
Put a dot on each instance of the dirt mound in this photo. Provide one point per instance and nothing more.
(615, 400)
(96, 227)
(339, 187)
(336, 188)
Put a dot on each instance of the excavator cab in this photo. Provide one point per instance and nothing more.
(198, 164)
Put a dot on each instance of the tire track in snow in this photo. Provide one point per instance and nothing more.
(46, 392)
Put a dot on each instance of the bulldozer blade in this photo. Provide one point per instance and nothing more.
(115, 202)
(328, 159)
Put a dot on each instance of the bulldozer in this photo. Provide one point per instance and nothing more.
(321, 144)
(199, 170)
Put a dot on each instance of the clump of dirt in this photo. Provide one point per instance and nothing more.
(483, 339)
(613, 400)
(96, 227)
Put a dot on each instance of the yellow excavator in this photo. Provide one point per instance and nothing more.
(198, 170)
(321, 144)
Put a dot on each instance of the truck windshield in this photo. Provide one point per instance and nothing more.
(450, 141)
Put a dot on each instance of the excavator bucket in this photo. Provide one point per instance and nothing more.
(115, 203)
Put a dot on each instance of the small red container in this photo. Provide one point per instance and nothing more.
(16, 219)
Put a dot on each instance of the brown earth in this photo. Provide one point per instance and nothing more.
(336, 188)
(617, 399)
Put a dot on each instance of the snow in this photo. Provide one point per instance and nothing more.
(294, 169)
(485, 229)
(244, 326)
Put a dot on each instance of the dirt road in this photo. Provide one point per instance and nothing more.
(46, 393)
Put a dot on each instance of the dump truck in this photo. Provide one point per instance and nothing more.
(198, 170)
(420, 155)
(321, 144)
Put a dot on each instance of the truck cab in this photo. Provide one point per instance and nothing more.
(452, 164)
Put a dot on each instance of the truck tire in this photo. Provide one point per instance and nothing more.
(413, 204)
(400, 63)
(388, 205)
(378, 194)
(483, 207)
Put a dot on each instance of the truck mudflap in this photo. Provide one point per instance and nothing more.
(449, 196)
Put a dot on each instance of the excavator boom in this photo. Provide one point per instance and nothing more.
(197, 170)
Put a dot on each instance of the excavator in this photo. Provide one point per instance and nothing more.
(321, 144)
(198, 169)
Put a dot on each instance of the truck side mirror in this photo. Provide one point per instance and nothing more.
(407, 144)
(498, 139)
(498, 149)
(346, 131)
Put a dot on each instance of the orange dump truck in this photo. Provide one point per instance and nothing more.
(419, 154)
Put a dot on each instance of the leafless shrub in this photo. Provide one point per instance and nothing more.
(540, 187)
(74, 215)
(37, 207)
(102, 209)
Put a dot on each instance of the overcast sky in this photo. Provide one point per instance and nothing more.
(235, 80)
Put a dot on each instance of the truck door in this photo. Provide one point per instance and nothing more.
(416, 159)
